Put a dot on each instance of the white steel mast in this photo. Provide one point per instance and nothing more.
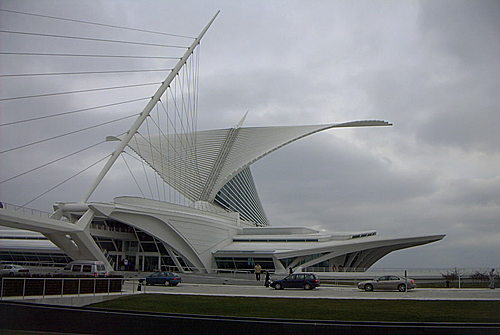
(146, 111)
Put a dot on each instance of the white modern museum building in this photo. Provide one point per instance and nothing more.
(223, 228)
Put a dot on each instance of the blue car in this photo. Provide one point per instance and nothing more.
(163, 278)
(307, 281)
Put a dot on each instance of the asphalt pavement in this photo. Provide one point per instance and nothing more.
(257, 289)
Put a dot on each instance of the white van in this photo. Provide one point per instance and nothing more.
(94, 268)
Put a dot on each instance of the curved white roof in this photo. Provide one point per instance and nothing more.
(200, 166)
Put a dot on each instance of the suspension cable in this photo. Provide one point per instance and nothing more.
(130, 170)
(66, 134)
(29, 33)
(73, 112)
(151, 148)
(140, 160)
(78, 91)
(81, 72)
(67, 179)
(159, 151)
(162, 156)
(84, 55)
(51, 162)
(182, 114)
(143, 166)
(95, 23)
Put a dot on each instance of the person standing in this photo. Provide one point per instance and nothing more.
(258, 270)
(492, 279)
(268, 279)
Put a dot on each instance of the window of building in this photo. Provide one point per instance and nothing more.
(244, 263)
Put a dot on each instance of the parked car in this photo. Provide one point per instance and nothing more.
(307, 281)
(94, 268)
(163, 278)
(12, 269)
(391, 282)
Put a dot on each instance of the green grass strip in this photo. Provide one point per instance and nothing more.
(314, 309)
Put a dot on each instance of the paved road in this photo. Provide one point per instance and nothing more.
(325, 292)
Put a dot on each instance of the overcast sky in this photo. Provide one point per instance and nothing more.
(432, 68)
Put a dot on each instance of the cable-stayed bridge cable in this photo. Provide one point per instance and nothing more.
(73, 112)
(81, 72)
(131, 173)
(51, 162)
(66, 134)
(29, 33)
(95, 23)
(66, 180)
(78, 91)
(84, 55)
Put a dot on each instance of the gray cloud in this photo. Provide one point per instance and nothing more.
(430, 67)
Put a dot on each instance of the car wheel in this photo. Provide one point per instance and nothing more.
(368, 287)
(307, 286)
(401, 287)
(167, 283)
(278, 287)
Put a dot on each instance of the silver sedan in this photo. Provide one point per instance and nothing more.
(388, 283)
(12, 269)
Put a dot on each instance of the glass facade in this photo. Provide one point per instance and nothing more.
(140, 250)
(244, 263)
(240, 195)
(35, 258)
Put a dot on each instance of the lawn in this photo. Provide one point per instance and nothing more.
(318, 309)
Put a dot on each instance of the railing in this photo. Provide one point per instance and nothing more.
(99, 226)
(24, 210)
(333, 269)
(42, 287)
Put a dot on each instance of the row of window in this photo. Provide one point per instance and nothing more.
(23, 238)
(239, 239)
(244, 263)
(363, 235)
(34, 257)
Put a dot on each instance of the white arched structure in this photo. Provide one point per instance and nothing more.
(216, 167)
(224, 228)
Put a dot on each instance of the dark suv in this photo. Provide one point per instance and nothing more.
(307, 281)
